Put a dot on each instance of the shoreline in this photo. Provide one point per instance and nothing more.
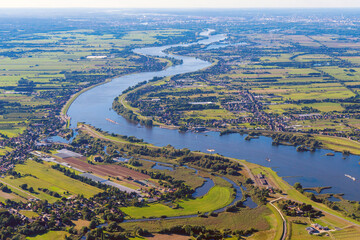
(325, 144)
(65, 108)
(174, 127)
(331, 144)
(290, 192)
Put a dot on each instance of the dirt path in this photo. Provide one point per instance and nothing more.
(251, 175)
(95, 134)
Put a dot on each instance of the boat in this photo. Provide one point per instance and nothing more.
(210, 150)
(352, 178)
(268, 159)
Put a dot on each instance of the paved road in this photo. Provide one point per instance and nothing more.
(284, 233)
(283, 237)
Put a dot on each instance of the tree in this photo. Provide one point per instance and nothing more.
(6, 189)
(93, 224)
(298, 186)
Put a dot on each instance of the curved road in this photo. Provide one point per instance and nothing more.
(284, 233)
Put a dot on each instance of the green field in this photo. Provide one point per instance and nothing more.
(51, 59)
(186, 175)
(340, 144)
(4, 150)
(242, 220)
(298, 232)
(349, 233)
(52, 235)
(29, 213)
(43, 176)
(216, 198)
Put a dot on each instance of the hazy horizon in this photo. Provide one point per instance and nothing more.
(186, 4)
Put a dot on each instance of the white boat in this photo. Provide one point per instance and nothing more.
(210, 150)
(352, 178)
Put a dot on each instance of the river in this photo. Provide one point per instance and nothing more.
(310, 169)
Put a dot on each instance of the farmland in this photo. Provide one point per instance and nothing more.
(104, 170)
(49, 236)
(304, 90)
(42, 71)
(295, 78)
(38, 175)
(216, 198)
(239, 220)
(266, 220)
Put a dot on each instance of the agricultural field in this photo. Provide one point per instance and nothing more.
(240, 220)
(216, 198)
(274, 76)
(338, 229)
(305, 89)
(42, 70)
(49, 236)
(37, 175)
(341, 125)
(298, 232)
(347, 233)
(340, 144)
(104, 170)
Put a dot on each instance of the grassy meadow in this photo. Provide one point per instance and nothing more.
(216, 198)
(39, 175)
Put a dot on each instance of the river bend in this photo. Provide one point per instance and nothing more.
(311, 169)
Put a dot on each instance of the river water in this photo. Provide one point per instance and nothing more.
(310, 169)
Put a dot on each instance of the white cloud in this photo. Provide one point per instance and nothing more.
(177, 3)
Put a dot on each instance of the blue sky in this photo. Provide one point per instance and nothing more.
(180, 3)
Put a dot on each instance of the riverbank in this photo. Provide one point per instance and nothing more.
(289, 192)
(122, 100)
(284, 191)
(94, 107)
(333, 143)
(63, 114)
(336, 144)
(65, 108)
(249, 170)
